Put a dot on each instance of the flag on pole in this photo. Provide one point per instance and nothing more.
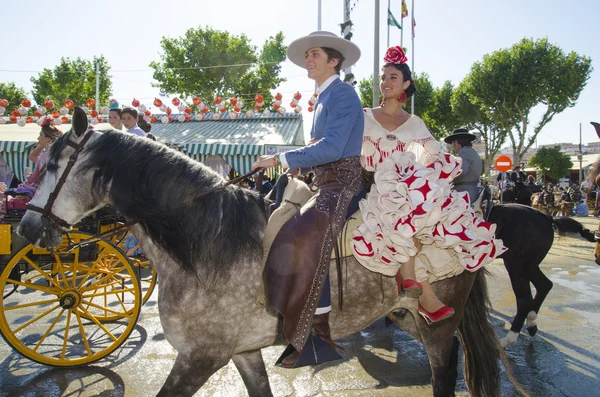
(404, 9)
(392, 21)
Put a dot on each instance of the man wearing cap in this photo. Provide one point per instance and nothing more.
(461, 141)
(296, 274)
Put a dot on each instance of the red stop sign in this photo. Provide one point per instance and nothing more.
(503, 163)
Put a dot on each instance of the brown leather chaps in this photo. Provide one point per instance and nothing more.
(299, 260)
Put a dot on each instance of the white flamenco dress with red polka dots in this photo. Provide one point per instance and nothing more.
(412, 198)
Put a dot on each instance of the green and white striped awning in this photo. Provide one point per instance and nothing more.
(16, 155)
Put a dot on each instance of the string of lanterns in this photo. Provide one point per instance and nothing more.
(20, 116)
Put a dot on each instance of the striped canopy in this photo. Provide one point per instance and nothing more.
(16, 155)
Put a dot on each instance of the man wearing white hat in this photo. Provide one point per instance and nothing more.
(296, 273)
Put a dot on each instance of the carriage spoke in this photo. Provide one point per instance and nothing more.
(106, 293)
(33, 320)
(30, 304)
(98, 282)
(66, 338)
(42, 272)
(35, 287)
(49, 330)
(60, 268)
(99, 324)
(106, 309)
(83, 335)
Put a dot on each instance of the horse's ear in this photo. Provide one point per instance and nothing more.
(597, 127)
(79, 122)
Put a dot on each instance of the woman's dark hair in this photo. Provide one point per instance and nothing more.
(49, 129)
(133, 112)
(334, 54)
(117, 111)
(143, 124)
(406, 76)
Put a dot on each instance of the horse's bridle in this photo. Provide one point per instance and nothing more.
(47, 210)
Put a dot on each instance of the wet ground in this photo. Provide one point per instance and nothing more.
(563, 359)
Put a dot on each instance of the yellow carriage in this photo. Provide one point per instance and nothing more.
(79, 302)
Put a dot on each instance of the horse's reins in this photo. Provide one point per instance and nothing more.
(54, 219)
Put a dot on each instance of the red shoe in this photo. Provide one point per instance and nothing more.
(409, 285)
(442, 313)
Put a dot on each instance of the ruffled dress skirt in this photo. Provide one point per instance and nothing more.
(410, 200)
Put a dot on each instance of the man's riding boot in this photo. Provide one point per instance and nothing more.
(319, 347)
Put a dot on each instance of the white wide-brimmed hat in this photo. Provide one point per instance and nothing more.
(296, 51)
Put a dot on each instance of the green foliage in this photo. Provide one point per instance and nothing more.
(13, 94)
(198, 63)
(471, 114)
(510, 83)
(440, 117)
(552, 162)
(73, 79)
(365, 90)
(423, 97)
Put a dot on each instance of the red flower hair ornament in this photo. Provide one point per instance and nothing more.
(395, 55)
(48, 121)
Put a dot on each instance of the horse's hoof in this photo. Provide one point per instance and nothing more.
(532, 330)
(510, 338)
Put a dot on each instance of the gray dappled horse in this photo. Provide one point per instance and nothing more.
(205, 240)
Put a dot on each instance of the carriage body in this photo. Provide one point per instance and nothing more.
(78, 303)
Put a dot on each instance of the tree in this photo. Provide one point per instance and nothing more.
(13, 94)
(475, 116)
(552, 162)
(365, 90)
(73, 79)
(510, 83)
(207, 63)
(440, 117)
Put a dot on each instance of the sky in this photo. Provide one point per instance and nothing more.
(450, 37)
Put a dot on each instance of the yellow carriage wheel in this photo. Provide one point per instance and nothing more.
(144, 269)
(57, 314)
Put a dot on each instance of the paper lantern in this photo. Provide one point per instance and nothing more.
(233, 115)
(2, 120)
(22, 110)
(297, 96)
(201, 106)
(170, 118)
(40, 121)
(55, 114)
(99, 119)
(281, 110)
(163, 108)
(198, 116)
(217, 100)
(21, 122)
(236, 109)
(250, 113)
(29, 119)
(49, 103)
(64, 119)
(187, 117)
(204, 110)
(4, 103)
(142, 108)
(216, 116)
(112, 104)
(26, 103)
(181, 107)
(223, 109)
(175, 101)
(2, 110)
(13, 119)
(90, 103)
(93, 121)
(310, 109)
(157, 102)
(278, 97)
(196, 101)
(104, 110)
(57, 121)
(164, 119)
(63, 111)
(267, 113)
(42, 110)
(258, 98)
(275, 106)
(153, 119)
(168, 111)
(85, 109)
(181, 118)
(240, 104)
(135, 103)
(188, 110)
(292, 104)
(233, 100)
(298, 109)
(94, 113)
(69, 104)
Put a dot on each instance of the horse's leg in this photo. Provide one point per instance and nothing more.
(542, 285)
(252, 369)
(189, 374)
(442, 350)
(522, 290)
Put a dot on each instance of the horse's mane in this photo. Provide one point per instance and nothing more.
(163, 190)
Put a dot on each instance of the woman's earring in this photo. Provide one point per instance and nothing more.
(402, 97)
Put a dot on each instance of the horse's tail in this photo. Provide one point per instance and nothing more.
(566, 225)
(481, 345)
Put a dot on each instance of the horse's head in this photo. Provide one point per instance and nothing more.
(64, 195)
